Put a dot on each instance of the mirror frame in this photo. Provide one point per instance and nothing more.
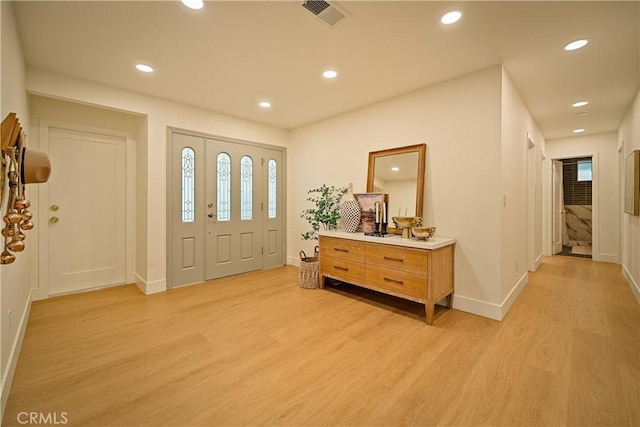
(421, 149)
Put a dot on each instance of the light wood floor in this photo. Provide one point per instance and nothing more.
(256, 349)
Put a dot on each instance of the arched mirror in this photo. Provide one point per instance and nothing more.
(399, 172)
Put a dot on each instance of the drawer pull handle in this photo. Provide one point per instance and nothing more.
(340, 268)
(393, 259)
(399, 282)
(341, 250)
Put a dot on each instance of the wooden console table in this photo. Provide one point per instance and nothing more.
(420, 271)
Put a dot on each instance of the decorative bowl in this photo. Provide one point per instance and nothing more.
(423, 233)
(406, 223)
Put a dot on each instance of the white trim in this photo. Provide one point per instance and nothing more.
(613, 258)
(487, 309)
(474, 306)
(292, 260)
(41, 259)
(538, 262)
(7, 375)
(151, 287)
(635, 288)
(513, 295)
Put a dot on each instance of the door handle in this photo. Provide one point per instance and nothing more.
(211, 215)
(54, 219)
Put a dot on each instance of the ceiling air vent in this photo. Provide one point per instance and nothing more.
(330, 13)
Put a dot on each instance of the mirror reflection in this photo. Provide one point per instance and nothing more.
(397, 174)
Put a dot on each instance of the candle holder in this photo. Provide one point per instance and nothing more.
(383, 230)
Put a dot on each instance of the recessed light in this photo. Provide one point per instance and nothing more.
(395, 169)
(144, 68)
(579, 104)
(330, 74)
(578, 130)
(451, 17)
(265, 104)
(577, 44)
(193, 4)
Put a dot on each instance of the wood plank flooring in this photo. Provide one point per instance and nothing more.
(256, 349)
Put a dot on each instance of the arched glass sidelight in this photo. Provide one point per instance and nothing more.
(224, 187)
(272, 169)
(246, 188)
(188, 184)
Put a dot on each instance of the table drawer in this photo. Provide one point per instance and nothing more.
(342, 269)
(397, 258)
(342, 248)
(397, 281)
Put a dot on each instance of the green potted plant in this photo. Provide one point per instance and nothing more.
(326, 209)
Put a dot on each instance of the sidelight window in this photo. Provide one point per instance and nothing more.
(224, 187)
(272, 170)
(246, 188)
(188, 184)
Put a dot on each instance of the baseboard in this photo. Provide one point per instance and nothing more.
(613, 258)
(151, 287)
(538, 262)
(292, 260)
(7, 375)
(632, 284)
(474, 306)
(513, 295)
(487, 309)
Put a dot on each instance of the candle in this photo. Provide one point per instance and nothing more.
(384, 212)
(377, 213)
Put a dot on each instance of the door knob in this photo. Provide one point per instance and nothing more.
(211, 215)
(54, 219)
(54, 207)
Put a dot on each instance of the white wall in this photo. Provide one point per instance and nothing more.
(15, 279)
(459, 120)
(629, 137)
(151, 154)
(521, 207)
(606, 198)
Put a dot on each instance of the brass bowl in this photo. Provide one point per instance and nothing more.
(406, 221)
(423, 233)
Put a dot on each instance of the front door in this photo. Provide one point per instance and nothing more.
(86, 210)
(226, 208)
(233, 230)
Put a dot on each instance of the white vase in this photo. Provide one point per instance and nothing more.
(350, 212)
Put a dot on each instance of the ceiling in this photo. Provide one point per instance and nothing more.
(228, 56)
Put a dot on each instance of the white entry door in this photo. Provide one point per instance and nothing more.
(558, 206)
(87, 213)
(233, 231)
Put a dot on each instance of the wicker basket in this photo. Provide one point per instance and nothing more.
(309, 270)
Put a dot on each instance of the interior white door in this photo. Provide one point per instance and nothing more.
(233, 230)
(558, 206)
(87, 212)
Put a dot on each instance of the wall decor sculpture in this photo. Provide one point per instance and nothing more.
(20, 166)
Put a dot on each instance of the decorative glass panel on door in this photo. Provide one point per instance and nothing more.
(246, 188)
(272, 197)
(224, 187)
(188, 184)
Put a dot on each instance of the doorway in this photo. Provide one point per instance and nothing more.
(226, 208)
(573, 207)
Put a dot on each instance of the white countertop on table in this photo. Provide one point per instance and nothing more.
(435, 242)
